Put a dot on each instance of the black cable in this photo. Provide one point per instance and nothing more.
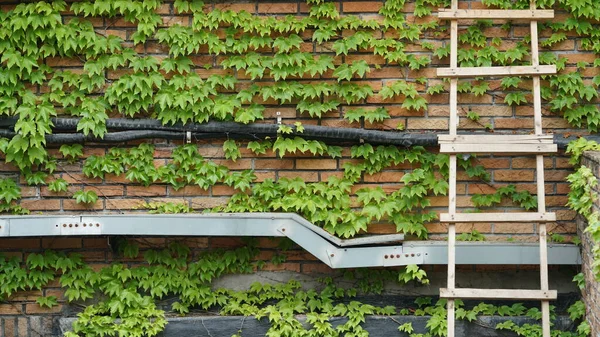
(134, 129)
(123, 130)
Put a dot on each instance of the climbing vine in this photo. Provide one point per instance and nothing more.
(115, 79)
(583, 195)
(134, 299)
(254, 47)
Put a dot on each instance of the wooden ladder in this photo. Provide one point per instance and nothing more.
(537, 144)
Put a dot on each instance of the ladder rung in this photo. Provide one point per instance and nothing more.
(491, 147)
(497, 71)
(499, 14)
(498, 217)
(499, 139)
(502, 294)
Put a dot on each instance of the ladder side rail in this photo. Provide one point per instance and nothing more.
(453, 121)
(541, 193)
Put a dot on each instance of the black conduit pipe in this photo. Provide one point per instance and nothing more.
(123, 130)
(134, 129)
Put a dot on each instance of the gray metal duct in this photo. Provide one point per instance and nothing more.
(370, 251)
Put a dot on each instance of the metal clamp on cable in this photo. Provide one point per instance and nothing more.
(188, 137)
(278, 117)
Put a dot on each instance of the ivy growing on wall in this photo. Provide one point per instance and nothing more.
(133, 299)
(583, 195)
(254, 47)
(172, 90)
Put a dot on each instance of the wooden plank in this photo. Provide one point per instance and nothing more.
(453, 119)
(498, 217)
(497, 71)
(499, 139)
(544, 280)
(488, 148)
(498, 14)
(500, 294)
(451, 228)
(543, 245)
(537, 94)
(453, 125)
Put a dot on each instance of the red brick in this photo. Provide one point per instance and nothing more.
(316, 268)
(63, 62)
(556, 175)
(237, 7)
(219, 190)
(286, 266)
(525, 228)
(208, 202)
(307, 176)
(426, 124)
(192, 242)
(143, 191)
(95, 243)
(226, 242)
(460, 228)
(513, 175)
(106, 190)
(72, 205)
(187, 191)
(27, 191)
(277, 8)
(481, 189)
(18, 256)
(495, 163)
(11, 309)
(273, 164)
(123, 204)
(61, 243)
(41, 204)
(168, 21)
(382, 229)
(34, 308)
(316, 164)
(362, 7)
(22, 296)
(240, 164)
(58, 293)
(20, 243)
(513, 123)
(94, 256)
(262, 176)
(45, 192)
(9, 327)
(22, 326)
(80, 178)
(384, 177)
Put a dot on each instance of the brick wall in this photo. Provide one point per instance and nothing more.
(591, 293)
(21, 316)
(118, 195)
